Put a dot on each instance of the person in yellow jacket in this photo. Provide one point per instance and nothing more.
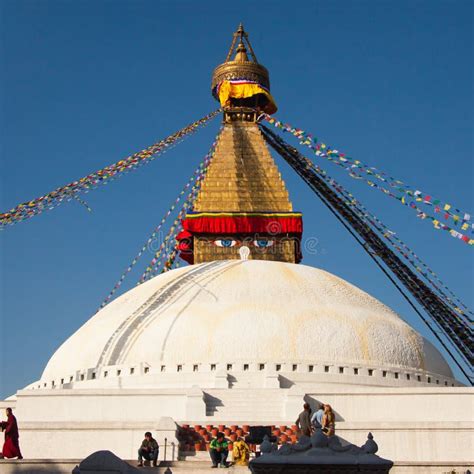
(241, 453)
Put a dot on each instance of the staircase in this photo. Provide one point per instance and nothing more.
(244, 406)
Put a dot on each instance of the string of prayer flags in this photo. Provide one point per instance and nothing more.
(403, 250)
(171, 259)
(170, 239)
(410, 196)
(195, 176)
(53, 199)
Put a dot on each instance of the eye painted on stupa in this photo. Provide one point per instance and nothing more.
(261, 244)
(227, 243)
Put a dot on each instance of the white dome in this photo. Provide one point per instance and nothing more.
(254, 311)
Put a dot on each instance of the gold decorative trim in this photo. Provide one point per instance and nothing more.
(233, 70)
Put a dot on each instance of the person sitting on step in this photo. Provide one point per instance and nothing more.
(219, 450)
(317, 418)
(148, 451)
(329, 421)
(241, 452)
(303, 422)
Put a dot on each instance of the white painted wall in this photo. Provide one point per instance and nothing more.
(409, 424)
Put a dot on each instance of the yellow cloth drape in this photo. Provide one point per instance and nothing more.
(241, 453)
(235, 90)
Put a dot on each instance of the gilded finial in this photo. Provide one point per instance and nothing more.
(242, 80)
(243, 38)
(241, 53)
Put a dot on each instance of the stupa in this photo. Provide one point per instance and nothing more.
(245, 333)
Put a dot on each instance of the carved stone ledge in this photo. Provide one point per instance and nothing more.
(320, 454)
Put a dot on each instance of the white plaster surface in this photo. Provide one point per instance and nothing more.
(410, 424)
(233, 311)
(245, 342)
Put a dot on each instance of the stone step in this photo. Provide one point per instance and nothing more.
(229, 414)
(243, 407)
(233, 407)
(209, 420)
(236, 412)
(242, 404)
(239, 404)
(203, 467)
(243, 392)
(65, 466)
(272, 417)
(242, 395)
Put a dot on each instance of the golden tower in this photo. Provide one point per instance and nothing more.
(243, 201)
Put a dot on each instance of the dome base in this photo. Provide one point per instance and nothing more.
(244, 320)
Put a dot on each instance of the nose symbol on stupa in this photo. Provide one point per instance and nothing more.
(244, 252)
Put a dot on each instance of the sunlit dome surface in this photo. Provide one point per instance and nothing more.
(253, 311)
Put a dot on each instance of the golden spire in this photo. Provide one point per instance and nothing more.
(241, 54)
(243, 38)
(242, 205)
(241, 67)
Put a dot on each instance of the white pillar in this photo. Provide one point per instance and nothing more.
(195, 405)
(167, 430)
(221, 380)
(294, 402)
(271, 378)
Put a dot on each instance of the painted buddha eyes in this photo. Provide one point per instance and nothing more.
(227, 243)
(261, 244)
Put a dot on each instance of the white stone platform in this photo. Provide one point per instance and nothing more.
(65, 466)
(411, 424)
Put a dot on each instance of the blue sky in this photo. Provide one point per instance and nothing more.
(86, 83)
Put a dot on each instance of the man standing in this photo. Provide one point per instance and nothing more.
(148, 451)
(303, 422)
(11, 447)
(219, 451)
(317, 418)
